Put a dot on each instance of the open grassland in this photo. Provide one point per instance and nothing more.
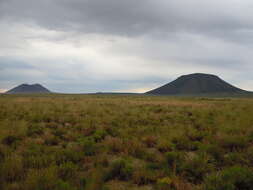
(103, 142)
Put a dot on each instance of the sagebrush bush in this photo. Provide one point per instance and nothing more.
(135, 149)
(182, 143)
(114, 145)
(173, 183)
(12, 168)
(67, 171)
(41, 179)
(234, 178)
(234, 143)
(88, 146)
(59, 133)
(164, 183)
(119, 169)
(99, 135)
(174, 160)
(10, 140)
(39, 161)
(35, 129)
(63, 185)
(195, 169)
(214, 150)
(233, 158)
(150, 141)
(51, 141)
(144, 176)
(68, 155)
(2, 153)
(164, 146)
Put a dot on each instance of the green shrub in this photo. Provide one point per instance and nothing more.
(41, 179)
(249, 155)
(95, 180)
(134, 148)
(67, 171)
(52, 141)
(173, 183)
(59, 133)
(234, 158)
(234, 178)
(2, 153)
(12, 186)
(195, 135)
(174, 160)
(150, 141)
(154, 166)
(234, 143)
(164, 146)
(99, 135)
(184, 144)
(52, 125)
(37, 156)
(87, 131)
(35, 129)
(112, 131)
(114, 145)
(34, 150)
(68, 155)
(63, 185)
(142, 176)
(120, 169)
(10, 140)
(149, 155)
(250, 136)
(164, 183)
(39, 161)
(196, 169)
(214, 150)
(12, 168)
(88, 146)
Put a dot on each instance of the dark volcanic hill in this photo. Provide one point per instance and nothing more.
(197, 84)
(28, 89)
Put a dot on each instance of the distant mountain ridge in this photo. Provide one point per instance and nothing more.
(28, 89)
(192, 84)
(197, 84)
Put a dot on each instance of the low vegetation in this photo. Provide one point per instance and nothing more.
(103, 142)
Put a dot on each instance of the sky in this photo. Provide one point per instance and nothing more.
(86, 46)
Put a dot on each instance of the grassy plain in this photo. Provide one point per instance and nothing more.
(110, 142)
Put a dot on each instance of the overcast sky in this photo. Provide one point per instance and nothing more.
(83, 46)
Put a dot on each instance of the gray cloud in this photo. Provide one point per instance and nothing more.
(113, 44)
(134, 17)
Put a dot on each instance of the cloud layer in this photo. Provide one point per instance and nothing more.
(112, 45)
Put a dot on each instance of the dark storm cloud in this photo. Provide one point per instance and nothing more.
(135, 17)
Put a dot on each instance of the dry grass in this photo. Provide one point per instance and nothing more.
(93, 142)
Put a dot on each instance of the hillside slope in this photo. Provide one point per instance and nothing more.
(27, 89)
(197, 83)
